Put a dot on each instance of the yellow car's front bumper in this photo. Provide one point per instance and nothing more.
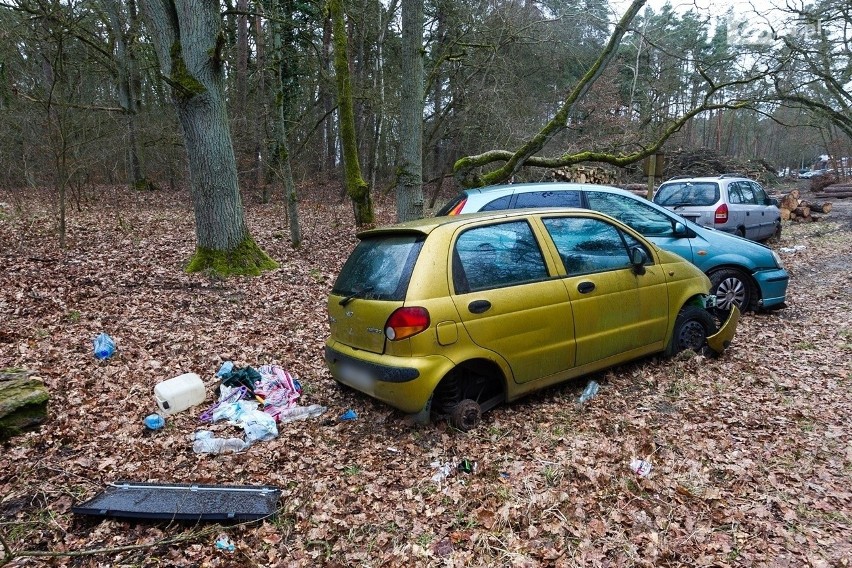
(720, 340)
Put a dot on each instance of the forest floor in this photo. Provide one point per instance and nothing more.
(751, 452)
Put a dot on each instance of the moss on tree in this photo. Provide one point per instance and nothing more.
(246, 259)
(184, 85)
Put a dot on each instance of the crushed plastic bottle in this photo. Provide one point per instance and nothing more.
(206, 443)
(301, 413)
(589, 393)
(641, 467)
(104, 346)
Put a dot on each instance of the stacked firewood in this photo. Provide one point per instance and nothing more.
(585, 174)
(838, 190)
(795, 209)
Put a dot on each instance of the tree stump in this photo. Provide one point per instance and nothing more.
(23, 402)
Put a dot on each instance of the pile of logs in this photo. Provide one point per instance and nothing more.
(795, 209)
(585, 174)
(838, 190)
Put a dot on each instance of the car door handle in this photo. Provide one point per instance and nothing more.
(479, 306)
(585, 287)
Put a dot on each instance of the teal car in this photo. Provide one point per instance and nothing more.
(743, 273)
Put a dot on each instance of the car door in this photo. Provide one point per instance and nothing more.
(769, 214)
(508, 300)
(615, 309)
(745, 213)
(650, 222)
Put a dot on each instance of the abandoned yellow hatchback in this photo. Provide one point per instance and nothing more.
(455, 315)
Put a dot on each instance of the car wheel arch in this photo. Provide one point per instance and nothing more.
(482, 380)
(719, 274)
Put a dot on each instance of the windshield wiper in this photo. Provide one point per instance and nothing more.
(355, 293)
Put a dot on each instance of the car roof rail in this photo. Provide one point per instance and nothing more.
(723, 176)
(678, 177)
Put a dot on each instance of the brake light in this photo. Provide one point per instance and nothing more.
(457, 209)
(721, 215)
(405, 322)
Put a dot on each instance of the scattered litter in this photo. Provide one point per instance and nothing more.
(206, 443)
(589, 392)
(226, 368)
(640, 467)
(796, 248)
(466, 466)
(154, 422)
(184, 502)
(504, 475)
(393, 450)
(443, 472)
(179, 393)
(224, 543)
(258, 425)
(104, 346)
(349, 415)
(301, 413)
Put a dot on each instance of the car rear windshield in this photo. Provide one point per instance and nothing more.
(379, 268)
(687, 193)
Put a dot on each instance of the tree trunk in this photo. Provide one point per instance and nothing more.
(356, 187)
(409, 185)
(23, 403)
(189, 39)
(127, 79)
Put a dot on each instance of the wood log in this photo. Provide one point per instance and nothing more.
(821, 207)
(790, 201)
(23, 404)
(785, 213)
(838, 194)
(802, 211)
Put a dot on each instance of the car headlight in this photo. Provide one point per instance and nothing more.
(777, 258)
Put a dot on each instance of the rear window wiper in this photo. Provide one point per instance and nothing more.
(354, 294)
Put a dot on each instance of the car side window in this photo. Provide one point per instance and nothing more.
(734, 193)
(747, 191)
(587, 245)
(632, 212)
(498, 204)
(548, 199)
(759, 194)
(495, 256)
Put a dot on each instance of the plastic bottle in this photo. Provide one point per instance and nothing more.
(589, 393)
(104, 346)
(206, 443)
(301, 413)
(179, 393)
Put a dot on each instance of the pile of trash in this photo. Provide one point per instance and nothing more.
(256, 400)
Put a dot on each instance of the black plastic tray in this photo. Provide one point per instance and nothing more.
(182, 501)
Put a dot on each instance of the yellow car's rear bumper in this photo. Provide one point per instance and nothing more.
(720, 340)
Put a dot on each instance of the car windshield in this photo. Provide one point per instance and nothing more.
(379, 267)
(679, 194)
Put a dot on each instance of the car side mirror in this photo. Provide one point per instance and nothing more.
(679, 229)
(638, 258)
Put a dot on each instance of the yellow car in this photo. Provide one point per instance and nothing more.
(454, 315)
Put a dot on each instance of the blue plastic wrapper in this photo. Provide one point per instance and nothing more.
(154, 422)
(104, 346)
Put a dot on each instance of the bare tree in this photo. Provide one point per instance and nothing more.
(189, 40)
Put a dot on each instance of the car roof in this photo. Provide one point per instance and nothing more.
(429, 224)
(507, 189)
(728, 177)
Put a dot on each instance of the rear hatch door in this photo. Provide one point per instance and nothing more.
(372, 284)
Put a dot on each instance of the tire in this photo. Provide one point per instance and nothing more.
(692, 328)
(740, 232)
(466, 415)
(730, 285)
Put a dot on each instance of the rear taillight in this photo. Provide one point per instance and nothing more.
(457, 209)
(721, 215)
(406, 322)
